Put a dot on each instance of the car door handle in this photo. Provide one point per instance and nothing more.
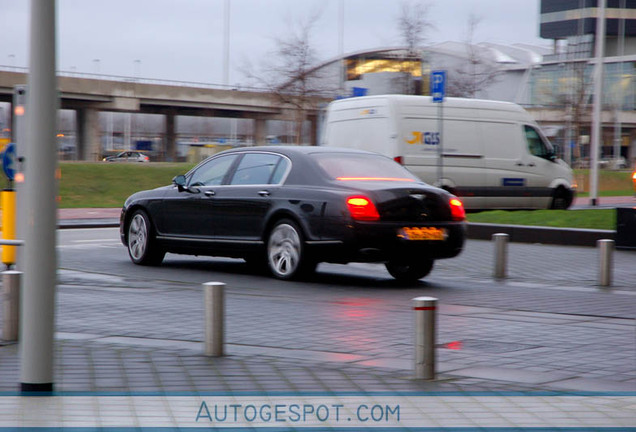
(209, 193)
(263, 193)
(519, 164)
(530, 164)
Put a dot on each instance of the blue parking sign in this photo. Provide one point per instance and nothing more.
(438, 85)
(8, 161)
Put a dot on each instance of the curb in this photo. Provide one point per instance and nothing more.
(544, 235)
(87, 223)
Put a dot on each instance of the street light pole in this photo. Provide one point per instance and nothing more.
(40, 256)
(597, 126)
(226, 44)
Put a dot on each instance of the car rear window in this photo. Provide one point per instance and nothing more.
(362, 167)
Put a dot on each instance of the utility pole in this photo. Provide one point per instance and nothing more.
(597, 126)
(40, 259)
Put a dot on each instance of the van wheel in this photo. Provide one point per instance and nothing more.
(409, 271)
(561, 199)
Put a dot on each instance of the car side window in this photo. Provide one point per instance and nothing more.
(255, 168)
(280, 171)
(536, 146)
(212, 172)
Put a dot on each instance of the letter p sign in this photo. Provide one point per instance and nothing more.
(438, 85)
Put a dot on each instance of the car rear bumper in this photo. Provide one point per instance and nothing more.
(372, 243)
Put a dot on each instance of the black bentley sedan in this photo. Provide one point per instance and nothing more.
(289, 208)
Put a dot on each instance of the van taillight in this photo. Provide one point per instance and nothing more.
(457, 209)
(362, 208)
(398, 159)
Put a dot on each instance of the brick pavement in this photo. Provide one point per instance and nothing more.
(554, 329)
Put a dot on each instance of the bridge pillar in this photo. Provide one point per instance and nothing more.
(171, 138)
(260, 130)
(88, 133)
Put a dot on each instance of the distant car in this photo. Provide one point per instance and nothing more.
(289, 208)
(614, 163)
(128, 156)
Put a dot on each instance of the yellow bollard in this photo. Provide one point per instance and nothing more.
(8, 225)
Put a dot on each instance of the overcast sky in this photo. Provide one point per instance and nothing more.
(183, 39)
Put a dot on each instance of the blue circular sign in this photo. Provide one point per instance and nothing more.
(8, 161)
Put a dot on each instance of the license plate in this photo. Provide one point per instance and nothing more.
(423, 233)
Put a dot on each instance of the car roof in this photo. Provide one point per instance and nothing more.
(294, 149)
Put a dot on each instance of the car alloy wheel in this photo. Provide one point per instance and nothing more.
(140, 247)
(285, 251)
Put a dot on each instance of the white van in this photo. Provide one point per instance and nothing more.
(494, 155)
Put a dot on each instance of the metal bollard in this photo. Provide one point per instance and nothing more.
(501, 255)
(606, 250)
(214, 298)
(11, 321)
(425, 319)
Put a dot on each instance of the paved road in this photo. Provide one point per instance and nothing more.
(547, 327)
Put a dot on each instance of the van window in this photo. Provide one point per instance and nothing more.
(536, 145)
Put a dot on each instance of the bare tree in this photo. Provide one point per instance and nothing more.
(412, 24)
(291, 71)
(477, 72)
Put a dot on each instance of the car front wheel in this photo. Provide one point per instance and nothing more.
(409, 271)
(286, 252)
(141, 246)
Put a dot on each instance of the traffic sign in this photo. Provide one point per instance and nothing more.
(8, 161)
(438, 85)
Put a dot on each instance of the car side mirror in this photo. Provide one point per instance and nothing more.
(180, 182)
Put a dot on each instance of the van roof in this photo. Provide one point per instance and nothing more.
(451, 102)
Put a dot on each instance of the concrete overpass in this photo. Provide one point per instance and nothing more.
(89, 95)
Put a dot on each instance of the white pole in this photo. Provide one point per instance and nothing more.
(11, 320)
(606, 252)
(40, 257)
(598, 101)
(341, 44)
(425, 335)
(619, 93)
(214, 299)
(501, 255)
(226, 36)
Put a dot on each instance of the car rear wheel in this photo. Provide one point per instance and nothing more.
(141, 245)
(286, 251)
(409, 271)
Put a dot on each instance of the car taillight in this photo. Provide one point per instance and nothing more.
(398, 159)
(457, 209)
(362, 208)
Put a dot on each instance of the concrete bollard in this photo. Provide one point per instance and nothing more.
(425, 319)
(11, 321)
(606, 252)
(214, 298)
(501, 255)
